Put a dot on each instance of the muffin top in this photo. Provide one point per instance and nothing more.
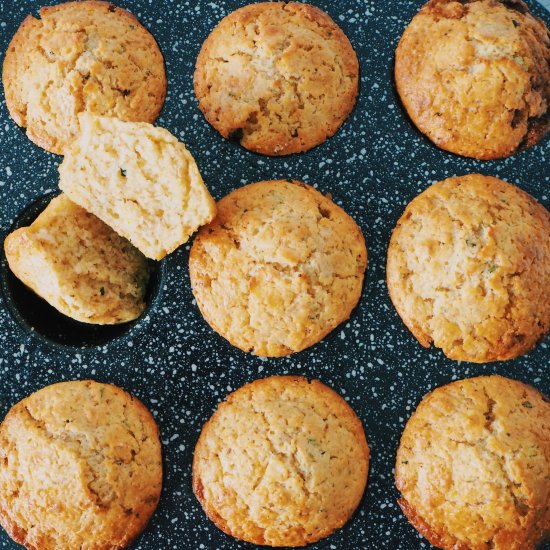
(80, 467)
(469, 269)
(473, 466)
(282, 462)
(280, 77)
(279, 267)
(474, 76)
(81, 56)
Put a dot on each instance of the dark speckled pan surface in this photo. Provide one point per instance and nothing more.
(173, 361)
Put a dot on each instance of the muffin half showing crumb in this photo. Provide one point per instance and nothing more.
(140, 180)
(79, 265)
(80, 467)
(282, 462)
(473, 466)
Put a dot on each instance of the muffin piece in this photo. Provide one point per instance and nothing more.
(81, 56)
(138, 179)
(278, 269)
(473, 466)
(280, 77)
(80, 467)
(474, 76)
(79, 265)
(282, 462)
(469, 269)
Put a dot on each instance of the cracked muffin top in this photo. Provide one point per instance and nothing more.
(279, 267)
(80, 467)
(278, 77)
(282, 462)
(81, 56)
(473, 466)
(474, 76)
(469, 269)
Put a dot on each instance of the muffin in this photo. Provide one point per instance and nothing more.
(282, 462)
(81, 56)
(469, 269)
(79, 265)
(279, 77)
(278, 269)
(474, 76)
(80, 467)
(473, 466)
(140, 180)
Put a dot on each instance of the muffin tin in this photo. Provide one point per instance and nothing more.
(172, 360)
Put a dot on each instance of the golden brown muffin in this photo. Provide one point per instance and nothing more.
(469, 269)
(79, 265)
(279, 267)
(282, 462)
(81, 56)
(473, 466)
(279, 77)
(80, 467)
(138, 179)
(474, 76)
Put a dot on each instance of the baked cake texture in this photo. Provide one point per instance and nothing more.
(280, 77)
(80, 467)
(140, 180)
(282, 462)
(469, 269)
(474, 76)
(473, 466)
(279, 268)
(81, 56)
(79, 265)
